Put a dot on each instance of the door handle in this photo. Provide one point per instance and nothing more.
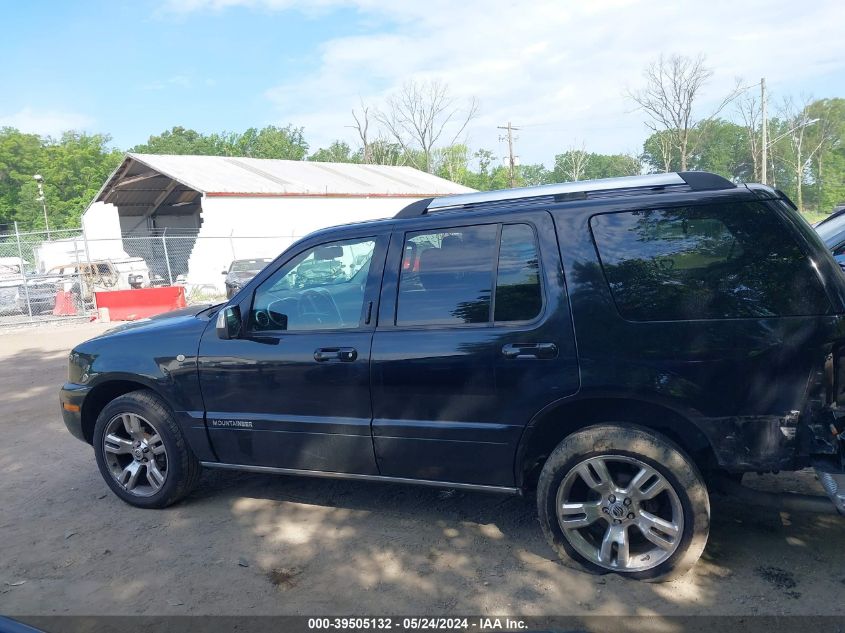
(529, 350)
(343, 354)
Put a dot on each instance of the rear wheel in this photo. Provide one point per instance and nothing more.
(624, 499)
(141, 452)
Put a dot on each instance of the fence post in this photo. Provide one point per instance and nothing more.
(166, 257)
(232, 243)
(79, 278)
(88, 260)
(23, 272)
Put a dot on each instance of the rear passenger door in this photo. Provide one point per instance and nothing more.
(474, 337)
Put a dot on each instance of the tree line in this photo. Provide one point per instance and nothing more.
(423, 126)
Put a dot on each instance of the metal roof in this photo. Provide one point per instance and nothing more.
(237, 176)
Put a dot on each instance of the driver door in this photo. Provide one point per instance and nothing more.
(293, 391)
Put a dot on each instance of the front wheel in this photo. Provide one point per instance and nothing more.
(141, 452)
(624, 499)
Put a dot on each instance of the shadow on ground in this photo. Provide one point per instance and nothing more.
(261, 544)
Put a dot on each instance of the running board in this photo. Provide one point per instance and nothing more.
(357, 477)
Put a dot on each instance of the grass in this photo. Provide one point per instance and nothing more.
(814, 216)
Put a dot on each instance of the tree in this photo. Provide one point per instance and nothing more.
(612, 166)
(724, 150)
(672, 86)
(419, 114)
(271, 142)
(337, 152)
(532, 175)
(802, 147)
(268, 142)
(73, 167)
(827, 169)
(571, 165)
(751, 112)
(180, 140)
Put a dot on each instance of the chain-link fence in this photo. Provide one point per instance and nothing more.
(58, 275)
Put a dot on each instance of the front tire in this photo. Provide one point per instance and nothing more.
(624, 499)
(141, 452)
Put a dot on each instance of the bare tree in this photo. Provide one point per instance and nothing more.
(802, 149)
(751, 112)
(673, 84)
(419, 114)
(574, 163)
(362, 126)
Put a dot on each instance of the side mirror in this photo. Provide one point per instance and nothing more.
(229, 323)
(225, 272)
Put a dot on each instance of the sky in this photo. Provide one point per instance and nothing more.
(558, 70)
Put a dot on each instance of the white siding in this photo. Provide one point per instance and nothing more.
(234, 227)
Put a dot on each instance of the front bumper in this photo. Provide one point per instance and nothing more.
(71, 397)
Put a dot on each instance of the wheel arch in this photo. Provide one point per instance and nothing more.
(558, 420)
(101, 394)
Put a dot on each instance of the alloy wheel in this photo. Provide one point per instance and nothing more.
(620, 513)
(135, 454)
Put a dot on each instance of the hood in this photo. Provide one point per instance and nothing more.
(159, 321)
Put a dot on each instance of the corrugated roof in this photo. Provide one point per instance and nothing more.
(223, 175)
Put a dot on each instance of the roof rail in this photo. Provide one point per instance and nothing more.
(695, 180)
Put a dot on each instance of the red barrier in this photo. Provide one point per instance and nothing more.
(64, 305)
(129, 305)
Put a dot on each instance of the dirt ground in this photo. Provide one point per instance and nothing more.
(261, 544)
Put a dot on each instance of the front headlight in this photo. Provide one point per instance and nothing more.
(79, 366)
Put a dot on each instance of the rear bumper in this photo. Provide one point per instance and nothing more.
(71, 397)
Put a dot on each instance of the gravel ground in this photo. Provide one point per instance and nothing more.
(256, 544)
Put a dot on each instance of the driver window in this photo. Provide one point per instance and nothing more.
(321, 289)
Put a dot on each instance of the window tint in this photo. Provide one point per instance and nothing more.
(447, 276)
(320, 289)
(518, 292)
(708, 262)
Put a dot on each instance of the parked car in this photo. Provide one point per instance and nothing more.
(832, 232)
(612, 347)
(22, 290)
(83, 279)
(11, 280)
(241, 271)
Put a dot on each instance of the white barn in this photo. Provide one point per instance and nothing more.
(213, 209)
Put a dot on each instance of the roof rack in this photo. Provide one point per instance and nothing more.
(694, 180)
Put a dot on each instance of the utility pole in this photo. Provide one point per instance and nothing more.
(511, 158)
(38, 179)
(765, 131)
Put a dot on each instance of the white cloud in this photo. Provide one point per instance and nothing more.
(557, 69)
(45, 122)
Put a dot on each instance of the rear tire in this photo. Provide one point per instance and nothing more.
(624, 499)
(141, 452)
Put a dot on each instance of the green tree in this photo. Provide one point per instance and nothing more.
(337, 152)
(271, 142)
(532, 175)
(73, 168)
(180, 140)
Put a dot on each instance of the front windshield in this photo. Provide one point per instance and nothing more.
(249, 265)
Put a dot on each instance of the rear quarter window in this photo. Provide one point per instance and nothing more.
(723, 261)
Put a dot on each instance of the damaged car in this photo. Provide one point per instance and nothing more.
(613, 348)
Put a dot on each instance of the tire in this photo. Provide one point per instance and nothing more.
(156, 478)
(655, 503)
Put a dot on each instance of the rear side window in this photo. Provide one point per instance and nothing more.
(518, 292)
(706, 262)
(447, 277)
(450, 277)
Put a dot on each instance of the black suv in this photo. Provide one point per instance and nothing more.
(611, 344)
